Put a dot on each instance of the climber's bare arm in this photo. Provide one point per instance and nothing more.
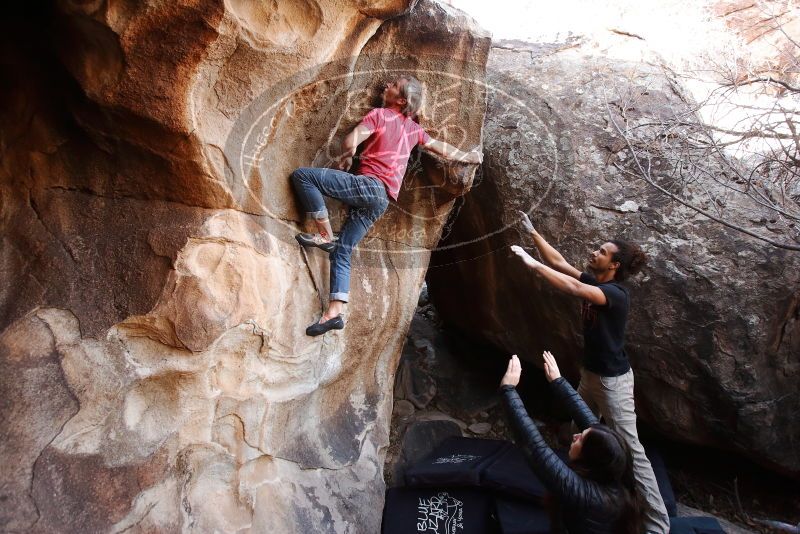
(551, 256)
(563, 282)
(349, 145)
(554, 258)
(450, 152)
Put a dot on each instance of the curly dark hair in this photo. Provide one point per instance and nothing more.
(631, 258)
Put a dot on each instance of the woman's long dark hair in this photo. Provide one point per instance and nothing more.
(606, 458)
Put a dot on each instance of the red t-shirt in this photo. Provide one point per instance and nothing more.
(385, 156)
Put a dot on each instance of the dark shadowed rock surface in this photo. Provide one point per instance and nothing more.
(714, 333)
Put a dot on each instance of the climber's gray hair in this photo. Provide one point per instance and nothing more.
(414, 92)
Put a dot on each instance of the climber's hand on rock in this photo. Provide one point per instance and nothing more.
(527, 258)
(525, 222)
(513, 373)
(550, 366)
(344, 163)
(474, 156)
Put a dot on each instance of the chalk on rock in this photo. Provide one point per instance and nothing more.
(629, 206)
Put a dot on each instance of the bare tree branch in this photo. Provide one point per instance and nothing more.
(647, 176)
(767, 79)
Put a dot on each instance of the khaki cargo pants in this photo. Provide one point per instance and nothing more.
(612, 398)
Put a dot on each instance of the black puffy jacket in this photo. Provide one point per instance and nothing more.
(586, 506)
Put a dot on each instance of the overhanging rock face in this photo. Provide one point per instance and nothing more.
(156, 374)
(714, 332)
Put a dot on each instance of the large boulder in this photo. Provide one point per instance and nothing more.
(156, 374)
(714, 332)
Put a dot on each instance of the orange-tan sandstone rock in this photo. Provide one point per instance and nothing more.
(156, 375)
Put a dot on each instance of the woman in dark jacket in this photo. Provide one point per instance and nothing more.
(595, 491)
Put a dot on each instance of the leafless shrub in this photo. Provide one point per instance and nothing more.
(735, 156)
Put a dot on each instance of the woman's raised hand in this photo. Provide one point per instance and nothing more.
(514, 371)
(550, 366)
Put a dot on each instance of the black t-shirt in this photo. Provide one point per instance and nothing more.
(604, 329)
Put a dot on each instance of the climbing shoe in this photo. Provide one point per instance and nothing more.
(315, 240)
(317, 329)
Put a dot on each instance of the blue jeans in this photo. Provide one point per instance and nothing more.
(367, 199)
